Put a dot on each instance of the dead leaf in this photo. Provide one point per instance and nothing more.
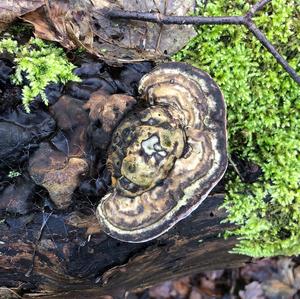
(275, 289)
(214, 275)
(49, 22)
(252, 290)
(73, 121)
(181, 287)
(80, 220)
(17, 197)
(161, 291)
(277, 278)
(208, 287)
(259, 270)
(109, 109)
(195, 294)
(9, 293)
(285, 269)
(12, 9)
(297, 278)
(56, 172)
(123, 41)
(58, 167)
(85, 24)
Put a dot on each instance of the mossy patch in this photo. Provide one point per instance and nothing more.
(263, 120)
(40, 63)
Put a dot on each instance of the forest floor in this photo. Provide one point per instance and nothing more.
(276, 278)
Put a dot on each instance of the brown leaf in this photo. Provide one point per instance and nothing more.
(12, 9)
(276, 289)
(109, 109)
(259, 270)
(50, 22)
(59, 168)
(253, 290)
(122, 41)
(85, 24)
(208, 287)
(161, 291)
(181, 287)
(80, 220)
(195, 294)
(297, 277)
(56, 172)
(73, 121)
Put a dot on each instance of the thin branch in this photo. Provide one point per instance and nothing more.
(256, 7)
(45, 219)
(171, 20)
(236, 169)
(262, 38)
(245, 20)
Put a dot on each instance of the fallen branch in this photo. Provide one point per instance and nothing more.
(245, 20)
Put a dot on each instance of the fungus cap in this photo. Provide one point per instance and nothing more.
(165, 159)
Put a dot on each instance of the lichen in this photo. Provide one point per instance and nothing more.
(263, 121)
(40, 63)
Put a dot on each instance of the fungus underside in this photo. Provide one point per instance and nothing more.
(263, 105)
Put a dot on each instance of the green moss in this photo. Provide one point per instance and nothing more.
(19, 29)
(263, 121)
(41, 63)
(13, 174)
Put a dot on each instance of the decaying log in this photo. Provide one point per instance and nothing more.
(64, 254)
(47, 251)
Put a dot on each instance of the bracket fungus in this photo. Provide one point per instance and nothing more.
(166, 158)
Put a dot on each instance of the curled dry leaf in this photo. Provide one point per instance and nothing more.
(161, 291)
(109, 109)
(12, 9)
(277, 289)
(78, 219)
(17, 197)
(85, 24)
(20, 132)
(73, 121)
(49, 23)
(56, 172)
(253, 290)
(58, 168)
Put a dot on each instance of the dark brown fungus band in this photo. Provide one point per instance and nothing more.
(166, 158)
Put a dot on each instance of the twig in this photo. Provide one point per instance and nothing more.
(235, 167)
(256, 7)
(171, 20)
(245, 20)
(262, 38)
(45, 220)
(10, 290)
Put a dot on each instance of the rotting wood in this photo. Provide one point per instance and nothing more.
(73, 259)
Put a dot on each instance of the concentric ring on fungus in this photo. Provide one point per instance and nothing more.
(165, 159)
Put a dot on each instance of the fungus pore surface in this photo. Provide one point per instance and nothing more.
(164, 159)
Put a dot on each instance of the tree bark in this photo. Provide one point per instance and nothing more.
(65, 255)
